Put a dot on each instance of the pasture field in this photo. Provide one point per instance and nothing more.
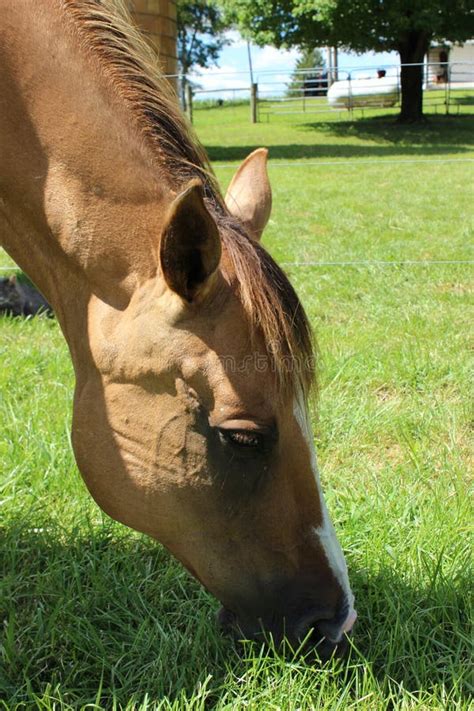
(96, 616)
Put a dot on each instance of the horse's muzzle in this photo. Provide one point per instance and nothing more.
(327, 638)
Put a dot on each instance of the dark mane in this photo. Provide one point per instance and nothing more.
(105, 30)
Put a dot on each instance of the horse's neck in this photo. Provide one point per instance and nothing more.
(80, 204)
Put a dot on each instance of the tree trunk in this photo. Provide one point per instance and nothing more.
(412, 52)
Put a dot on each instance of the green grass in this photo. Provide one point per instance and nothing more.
(96, 616)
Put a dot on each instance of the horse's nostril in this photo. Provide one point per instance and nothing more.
(330, 631)
(324, 646)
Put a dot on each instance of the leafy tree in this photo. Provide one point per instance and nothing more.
(406, 26)
(310, 59)
(201, 29)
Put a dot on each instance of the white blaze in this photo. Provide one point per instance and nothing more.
(325, 532)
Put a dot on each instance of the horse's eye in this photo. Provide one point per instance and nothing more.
(253, 440)
(242, 438)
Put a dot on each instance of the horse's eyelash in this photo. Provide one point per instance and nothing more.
(247, 439)
(241, 438)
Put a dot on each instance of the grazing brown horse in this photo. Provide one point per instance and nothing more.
(191, 351)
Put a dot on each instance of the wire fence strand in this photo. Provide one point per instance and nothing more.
(379, 263)
(274, 163)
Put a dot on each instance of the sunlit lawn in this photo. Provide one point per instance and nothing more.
(93, 613)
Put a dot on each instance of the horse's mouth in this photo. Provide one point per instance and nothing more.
(227, 620)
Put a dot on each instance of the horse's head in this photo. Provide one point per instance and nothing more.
(193, 425)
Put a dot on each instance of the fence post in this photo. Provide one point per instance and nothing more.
(349, 81)
(189, 102)
(253, 102)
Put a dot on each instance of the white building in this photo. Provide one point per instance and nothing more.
(455, 61)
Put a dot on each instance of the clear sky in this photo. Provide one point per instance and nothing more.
(232, 71)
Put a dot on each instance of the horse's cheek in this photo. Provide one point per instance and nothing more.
(139, 456)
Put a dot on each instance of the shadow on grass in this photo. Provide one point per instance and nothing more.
(464, 101)
(444, 135)
(439, 133)
(87, 612)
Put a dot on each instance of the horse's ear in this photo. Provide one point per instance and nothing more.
(249, 196)
(190, 248)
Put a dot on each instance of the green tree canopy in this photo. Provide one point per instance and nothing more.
(201, 28)
(201, 36)
(406, 26)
